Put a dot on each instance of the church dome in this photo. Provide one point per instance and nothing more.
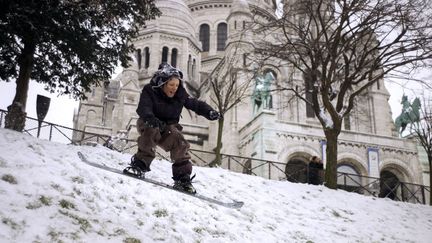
(239, 6)
(175, 18)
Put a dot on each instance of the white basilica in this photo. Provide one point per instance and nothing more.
(194, 35)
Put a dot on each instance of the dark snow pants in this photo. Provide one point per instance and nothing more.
(171, 140)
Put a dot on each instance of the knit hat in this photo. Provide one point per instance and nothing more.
(163, 74)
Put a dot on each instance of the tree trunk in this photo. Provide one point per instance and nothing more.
(15, 119)
(218, 160)
(331, 159)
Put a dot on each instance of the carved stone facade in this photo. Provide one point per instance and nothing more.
(284, 132)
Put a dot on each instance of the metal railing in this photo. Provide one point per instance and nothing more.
(400, 191)
(58, 133)
(373, 186)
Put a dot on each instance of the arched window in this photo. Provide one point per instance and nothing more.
(308, 87)
(193, 68)
(347, 122)
(269, 78)
(273, 73)
(204, 36)
(348, 178)
(146, 57)
(139, 58)
(189, 66)
(165, 54)
(174, 57)
(221, 36)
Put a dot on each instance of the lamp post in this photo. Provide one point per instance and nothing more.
(42, 106)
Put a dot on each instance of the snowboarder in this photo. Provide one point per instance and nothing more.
(159, 109)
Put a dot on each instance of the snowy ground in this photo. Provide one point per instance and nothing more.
(48, 195)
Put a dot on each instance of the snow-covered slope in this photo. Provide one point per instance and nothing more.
(48, 195)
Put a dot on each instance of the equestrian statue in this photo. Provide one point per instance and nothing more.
(410, 114)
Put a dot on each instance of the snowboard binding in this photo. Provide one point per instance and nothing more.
(184, 184)
(136, 168)
(134, 171)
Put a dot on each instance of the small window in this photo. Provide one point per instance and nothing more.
(189, 66)
(174, 57)
(308, 87)
(165, 54)
(221, 36)
(204, 36)
(193, 69)
(146, 57)
(139, 58)
(347, 122)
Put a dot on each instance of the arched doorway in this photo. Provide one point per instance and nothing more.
(349, 178)
(390, 186)
(296, 170)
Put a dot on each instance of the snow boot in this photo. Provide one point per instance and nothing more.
(137, 168)
(184, 183)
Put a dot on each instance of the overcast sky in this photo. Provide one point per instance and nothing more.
(61, 107)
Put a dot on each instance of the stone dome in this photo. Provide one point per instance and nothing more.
(240, 6)
(176, 17)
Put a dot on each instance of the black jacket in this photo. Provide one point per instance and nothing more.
(154, 103)
(314, 168)
(314, 172)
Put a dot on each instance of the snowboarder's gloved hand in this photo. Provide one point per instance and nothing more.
(155, 123)
(214, 115)
(162, 126)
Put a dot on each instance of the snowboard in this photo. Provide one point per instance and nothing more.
(234, 204)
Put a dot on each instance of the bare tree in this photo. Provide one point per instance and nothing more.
(230, 83)
(342, 48)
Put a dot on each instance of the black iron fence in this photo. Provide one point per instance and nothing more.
(399, 191)
(58, 133)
